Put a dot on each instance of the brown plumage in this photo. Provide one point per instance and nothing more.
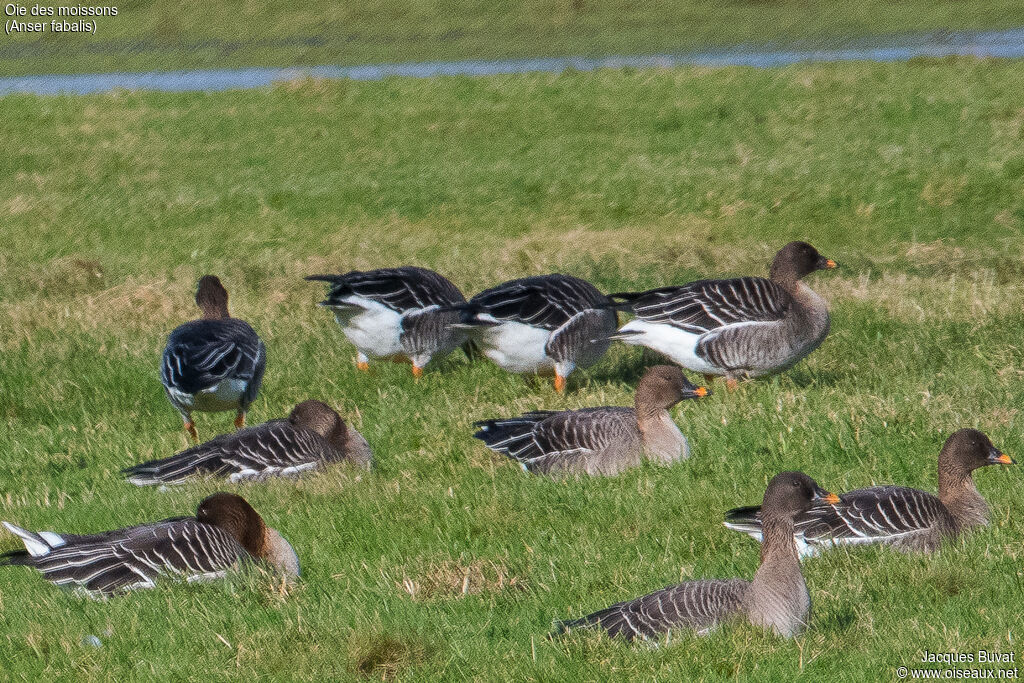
(225, 533)
(741, 327)
(311, 437)
(777, 597)
(904, 518)
(598, 441)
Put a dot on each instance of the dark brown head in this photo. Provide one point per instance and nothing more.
(235, 516)
(967, 450)
(212, 298)
(663, 386)
(319, 417)
(790, 493)
(797, 259)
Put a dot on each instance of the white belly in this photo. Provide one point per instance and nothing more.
(224, 395)
(517, 347)
(375, 330)
(680, 346)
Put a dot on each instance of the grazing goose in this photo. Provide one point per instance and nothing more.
(742, 327)
(215, 363)
(313, 435)
(598, 441)
(777, 598)
(396, 313)
(544, 324)
(225, 533)
(905, 518)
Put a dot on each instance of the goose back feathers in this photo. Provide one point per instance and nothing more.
(215, 363)
(225, 532)
(598, 441)
(905, 518)
(313, 436)
(776, 598)
(548, 323)
(398, 313)
(740, 327)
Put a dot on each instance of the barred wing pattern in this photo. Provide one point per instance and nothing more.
(546, 301)
(201, 353)
(273, 448)
(135, 556)
(706, 305)
(878, 514)
(400, 289)
(699, 605)
(538, 440)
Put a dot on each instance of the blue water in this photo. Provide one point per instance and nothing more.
(1003, 44)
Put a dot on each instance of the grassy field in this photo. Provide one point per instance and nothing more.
(189, 34)
(448, 562)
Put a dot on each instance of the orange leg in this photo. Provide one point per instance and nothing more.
(417, 372)
(190, 427)
(363, 365)
(731, 383)
(239, 420)
(560, 383)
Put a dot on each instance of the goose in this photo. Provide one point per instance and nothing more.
(741, 327)
(598, 441)
(776, 599)
(312, 436)
(400, 314)
(225, 533)
(215, 363)
(541, 324)
(904, 518)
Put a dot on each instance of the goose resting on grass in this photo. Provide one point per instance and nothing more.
(312, 436)
(396, 313)
(777, 598)
(741, 327)
(905, 518)
(598, 441)
(215, 363)
(544, 324)
(225, 533)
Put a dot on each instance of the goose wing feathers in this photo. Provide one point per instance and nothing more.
(706, 305)
(263, 449)
(135, 556)
(201, 353)
(535, 438)
(874, 514)
(695, 605)
(400, 289)
(871, 515)
(546, 301)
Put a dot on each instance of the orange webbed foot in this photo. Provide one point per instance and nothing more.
(190, 428)
(731, 384)
(417, 372)
(239, 420)
(560, 383)
(362, 365)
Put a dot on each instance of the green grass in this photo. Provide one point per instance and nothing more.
(112, 205)
(188, 34)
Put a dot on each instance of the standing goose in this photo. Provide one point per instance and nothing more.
(225, 533)
(598, 441)
(395, 313)
(312, 436)
(905, 518)
(742, 327)
(544, 324)
(215, 363)
(777, 598)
